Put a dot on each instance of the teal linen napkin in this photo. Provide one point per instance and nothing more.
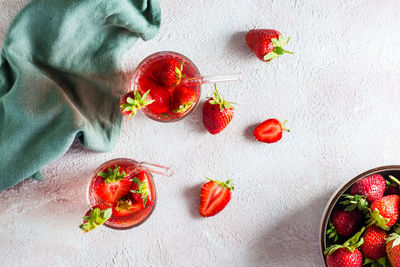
(60, 78)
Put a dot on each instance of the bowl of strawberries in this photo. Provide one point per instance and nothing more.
(360, 225)
(166, 93)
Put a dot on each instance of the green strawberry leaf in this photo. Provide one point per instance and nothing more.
(112, 175)
(142, 189)
(96, 218)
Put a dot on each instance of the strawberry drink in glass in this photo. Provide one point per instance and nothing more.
(127, 187)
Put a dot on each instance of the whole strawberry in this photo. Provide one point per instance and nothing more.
(132, 101)
(374, 246)
(346, 255)
(346, 223)
(384, 212)
(160, 96)
(266, 43)
(167, 71)
(373, 187)
(183, 99)
(217, 113)
(393, 247)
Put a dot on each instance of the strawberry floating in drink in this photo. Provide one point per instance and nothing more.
(217, 113)
(168, 71)
(214, 197)
(270, 131)
(112, 183)
(183, 98)
(95, 217)
(140, 188)
(126, 207)
(266, 43)
(159, 94)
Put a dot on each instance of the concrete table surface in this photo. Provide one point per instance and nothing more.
(339, 93)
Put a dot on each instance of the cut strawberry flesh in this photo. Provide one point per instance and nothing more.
(111, 193)
(214, 198)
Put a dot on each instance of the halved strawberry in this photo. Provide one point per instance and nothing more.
(167, 71)
(126, 206)
(140, 189)
(270, 131)
(214, 196)
(159, 94)
(183, 99)
(132, 101)
(95, 217)
(112, 183)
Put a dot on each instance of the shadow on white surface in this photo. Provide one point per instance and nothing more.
(237, 44)
(192, 195)
(292, 240)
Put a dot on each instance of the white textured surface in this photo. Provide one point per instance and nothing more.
(339, 93)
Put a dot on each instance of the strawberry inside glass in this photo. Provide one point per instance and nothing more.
(121, 185)
(164, 74)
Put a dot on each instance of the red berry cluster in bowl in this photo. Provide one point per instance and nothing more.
(363, 226)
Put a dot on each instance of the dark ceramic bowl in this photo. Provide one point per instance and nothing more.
(384, 171)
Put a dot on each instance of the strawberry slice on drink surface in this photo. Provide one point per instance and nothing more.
(167, 72)
(126, 206)
(217, 113)
(214, 197)
(112, 183)
(266, 43)
(270, 131)
(140, 189)
(183, 99)
(132, 101)
(95, 217)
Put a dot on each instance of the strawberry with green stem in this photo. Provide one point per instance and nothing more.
(96, 216)
(374, 246)
(214, 197)
(183, 99)
(168, 72)
(217, 113)
(392, 187)
(344, 223)
(140, 189)
(132, 101)
(373, 187)
(393, 247)
(266, 43)
(112, 183)
(346, 255)
(355, 202)
(384, 212)
(270, 131)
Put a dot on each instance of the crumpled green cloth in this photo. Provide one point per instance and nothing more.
(60, 78)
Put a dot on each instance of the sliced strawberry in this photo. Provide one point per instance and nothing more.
(132, 101)
(167, 71)
(214, 196)
(95, 217)
(158, 93)
(126, 206)
(140, 188)
(183, 99)
(270, 131)
(112, 183)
